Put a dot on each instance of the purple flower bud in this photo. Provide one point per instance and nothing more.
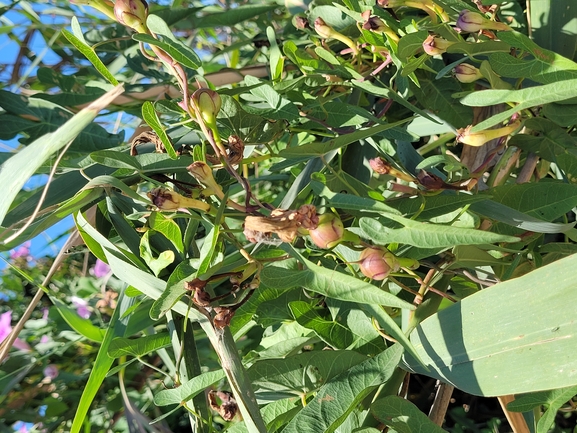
(51, 371)
(435, 45)
(472, 22)
(375, 263)
(466, 73)
(81, 307)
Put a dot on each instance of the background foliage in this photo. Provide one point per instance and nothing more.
(355, 191)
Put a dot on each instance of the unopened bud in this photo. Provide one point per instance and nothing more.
(203, 174)
(381, 166)
(207, 102)
(428, 6)
(466, 73)
(327, 32)
(132, 13)
(301, 22)
(435, 45)
(165, 199)
(377, 263)
(329, 231)
(464, 135)
(472, 22)
(377, 25)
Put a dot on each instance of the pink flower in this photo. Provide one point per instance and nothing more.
(6, 329)
(100, 269)
(81, 307)
(51, 371)
(22, 251)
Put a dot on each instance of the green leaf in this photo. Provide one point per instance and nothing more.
(232, 16)
(543, 66)
(330, 331)
(322, 148)
(514, 337)
(165, 225)
(411, 44)
(525, 98)
(82, 326)
(91, 56)
(436, 96)
(175, 289)
(302, 373)
(113, 158)
(189, 389)
(330, 283)
(38, 117)
(16, 171)
(180, 52)
(139, 347)
(151, 118)
(403, 416)
(339, 396)
(425, 235)
(102, 363)
(482, 47)
(432, 206)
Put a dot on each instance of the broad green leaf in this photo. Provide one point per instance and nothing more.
(543, 66)
(37, 117)
(387, 92)
(546, 201)
(499, 212)
(189, 389)
(155, 263)
(91, 56)
(428, 207)
(437, 96)
(525, 98)
(553, 399)
(272, 104)
(302, 373)
(425, 235)
(330, 283)
(232, 16)
(82, 326)
(403, 416)
(175, 289)
(165, 225)
(514, 337)
(287, 340)
(482, 47)
(16, 171)
(339, 396)
(331, 332)
(116, 159)
(151, 118)
(102, 363)
(322, 148)
(180, 52)
(350, 201)
(561, 114)
(137, 347)
(411, 44)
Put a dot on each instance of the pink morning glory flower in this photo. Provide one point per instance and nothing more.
(6, 329)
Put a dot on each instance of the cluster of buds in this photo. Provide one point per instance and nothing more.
(327, 32)
(465, 136)
(132, 13)
(168, 200)
(472, 22)
(377, 263)
(435, 45)
(466, 73)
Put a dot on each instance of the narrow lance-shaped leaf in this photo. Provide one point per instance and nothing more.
(16, 171)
